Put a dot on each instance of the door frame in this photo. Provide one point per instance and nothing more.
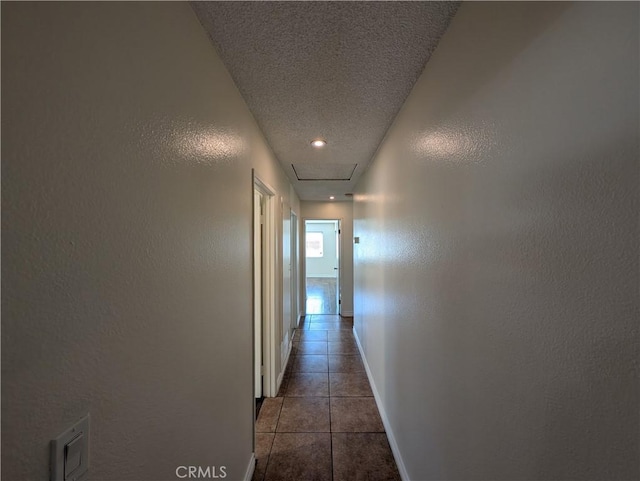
(258, 297)
(269, 289)
(284, 331)
(295, 272)
(303, 261)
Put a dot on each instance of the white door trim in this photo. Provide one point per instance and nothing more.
(295, 281)
(340, 261)
(258, 248)
(303, 261)
(284, 330)
(269, 289)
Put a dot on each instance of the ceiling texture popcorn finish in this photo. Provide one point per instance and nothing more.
(338, 71)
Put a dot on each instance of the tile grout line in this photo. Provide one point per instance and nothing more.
(275, 430)
(330, 395)
(329, 391)
(328, 432)
(266, 466)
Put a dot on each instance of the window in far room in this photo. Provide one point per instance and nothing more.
(314, 244)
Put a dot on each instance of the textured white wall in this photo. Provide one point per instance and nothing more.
(335, 210)
(126, 258)
(496, 280)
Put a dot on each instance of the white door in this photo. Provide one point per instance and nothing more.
(286, 281)
(266, 323)
(295, 281)
(338, 266)
(258, 228)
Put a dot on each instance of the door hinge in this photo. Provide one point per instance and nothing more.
(262, 370)
(340, 301)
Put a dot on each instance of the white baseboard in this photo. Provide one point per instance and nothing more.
(346, 313)
(278, 383)
(385, 420)
(284, 368)
(252, 466)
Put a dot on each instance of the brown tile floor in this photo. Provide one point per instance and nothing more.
(324, 424)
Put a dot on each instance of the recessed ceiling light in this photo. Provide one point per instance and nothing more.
(319, 143)
(331, 197)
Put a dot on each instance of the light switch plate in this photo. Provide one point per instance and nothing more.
(71, 448)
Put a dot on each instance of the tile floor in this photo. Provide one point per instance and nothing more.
(324, 424)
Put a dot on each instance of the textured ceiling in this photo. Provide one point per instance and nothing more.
(339, 71)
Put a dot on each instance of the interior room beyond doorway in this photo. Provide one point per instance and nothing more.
(322, 266)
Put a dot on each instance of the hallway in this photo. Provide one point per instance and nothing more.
(324, 424)
(481, 159)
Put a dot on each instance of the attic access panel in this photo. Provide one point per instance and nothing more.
(324, 171)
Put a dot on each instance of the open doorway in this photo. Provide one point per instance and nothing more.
(322, 266)
(258, 304)
(264, 289)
